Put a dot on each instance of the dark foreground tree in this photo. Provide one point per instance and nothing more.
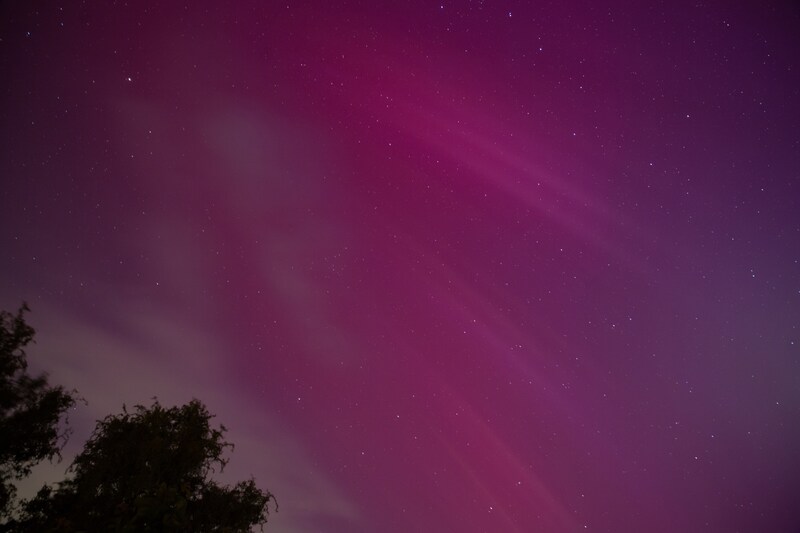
(30, 410)
(149, 470)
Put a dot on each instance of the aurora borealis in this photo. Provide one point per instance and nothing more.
(438, 266)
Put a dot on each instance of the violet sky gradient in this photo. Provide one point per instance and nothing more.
(439, 267)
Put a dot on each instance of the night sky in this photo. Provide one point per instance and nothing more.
(438, 267)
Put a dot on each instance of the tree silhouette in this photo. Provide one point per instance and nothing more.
(30, 410)
(149, 470)
(141, 471)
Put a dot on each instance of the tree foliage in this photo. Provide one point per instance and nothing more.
(30, 409)
(141, 471)
(149, 470)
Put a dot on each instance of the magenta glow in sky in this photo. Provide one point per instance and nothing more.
(474, 266)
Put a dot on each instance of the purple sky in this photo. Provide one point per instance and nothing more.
(474, 266)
